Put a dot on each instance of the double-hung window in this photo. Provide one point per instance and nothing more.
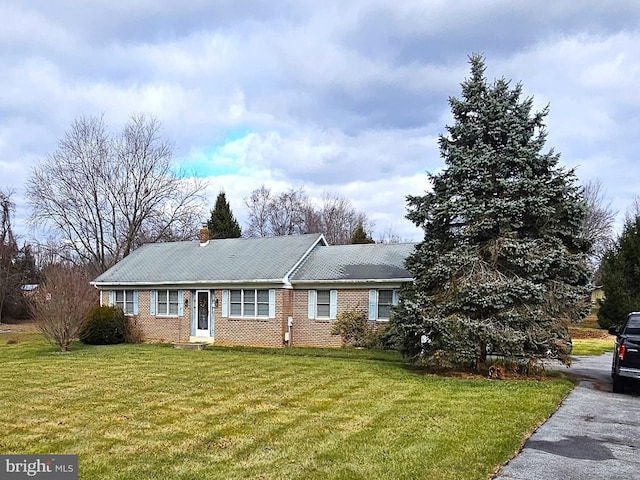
(385, 300)
(380, 303)
(323, 304)
(167, 303)
(125, 299)
(249, 303)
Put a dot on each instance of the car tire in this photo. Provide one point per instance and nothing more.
(618, 384)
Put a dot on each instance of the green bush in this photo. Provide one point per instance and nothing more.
(352, 327)
(105, 326)
(386, 337)
(356, 331)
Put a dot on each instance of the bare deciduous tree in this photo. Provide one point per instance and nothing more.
(62, 303)
(105, 195)
(286, 214)
(598, 223)
(339, 218)
(276, 215)
(258, 204)
(389, 235)
(292, 213)
(50, 252)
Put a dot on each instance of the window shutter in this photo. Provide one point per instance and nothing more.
(135, 302)
(225, 303)
(213, 313)
(333, 304)
(112, 298)
(152, 302)
(373, 304)
(396, 297)
(272, 303)
(193, 313)
(312, 304)
(180, 303)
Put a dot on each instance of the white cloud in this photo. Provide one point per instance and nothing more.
(346, 97)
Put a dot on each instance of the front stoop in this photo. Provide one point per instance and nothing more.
(190, 345)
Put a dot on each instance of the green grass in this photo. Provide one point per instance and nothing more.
(592, 346)
(149, 411)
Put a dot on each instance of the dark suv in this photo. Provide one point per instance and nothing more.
(626, 356)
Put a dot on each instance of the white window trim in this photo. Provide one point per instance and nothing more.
(255, 303)
(125, 293)
(166, 312)
(323, 317)
(375, 304)
(313, 304)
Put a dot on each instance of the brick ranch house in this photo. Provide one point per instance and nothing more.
(270, 292)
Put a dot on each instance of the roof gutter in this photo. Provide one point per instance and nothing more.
(190, 282)
(358, 281)
(286, 280)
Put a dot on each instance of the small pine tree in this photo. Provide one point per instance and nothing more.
(222, 223)
(621, 277)
(360, 235)
(502, 266)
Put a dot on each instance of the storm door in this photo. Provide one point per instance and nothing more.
(203, 313)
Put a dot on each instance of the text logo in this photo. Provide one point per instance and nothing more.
(49, 467)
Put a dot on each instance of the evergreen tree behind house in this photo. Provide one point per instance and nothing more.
(360, 236)
(502, 265)
(222, 223)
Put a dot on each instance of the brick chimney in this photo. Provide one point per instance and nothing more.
(204, 235)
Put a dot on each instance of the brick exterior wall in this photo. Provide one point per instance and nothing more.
(260, 332)
(308, 332)
(161, 328)
(157, 328)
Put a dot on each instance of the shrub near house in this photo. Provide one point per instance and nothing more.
(105, 326)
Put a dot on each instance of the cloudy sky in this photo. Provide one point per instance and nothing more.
(340, 96)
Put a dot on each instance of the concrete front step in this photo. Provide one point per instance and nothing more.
(190, 345)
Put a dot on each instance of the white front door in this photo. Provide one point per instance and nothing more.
(203, 313)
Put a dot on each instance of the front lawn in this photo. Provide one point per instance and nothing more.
(149, 411)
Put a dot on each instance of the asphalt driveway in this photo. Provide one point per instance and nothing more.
(595, 434)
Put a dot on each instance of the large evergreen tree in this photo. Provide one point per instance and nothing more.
(502, 264)
(222, 223)
(621, 277)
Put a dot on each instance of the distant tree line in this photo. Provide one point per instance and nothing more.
(619, 273)
(17, 265)
(293, 212)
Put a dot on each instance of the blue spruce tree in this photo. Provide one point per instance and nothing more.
(502, 266)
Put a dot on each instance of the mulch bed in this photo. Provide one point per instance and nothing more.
(581, 333)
